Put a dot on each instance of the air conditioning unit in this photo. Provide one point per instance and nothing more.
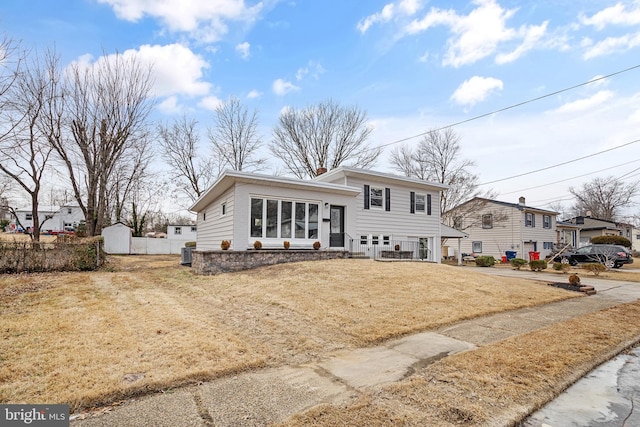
(186, 256)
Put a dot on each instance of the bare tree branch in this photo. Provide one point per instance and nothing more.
(191, 172)
(322, 136)
(235, 137)
(100, 114)
(604, 197)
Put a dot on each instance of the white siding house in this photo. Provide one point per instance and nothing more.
(185, 232)
(340, 208)
(52, 218)
(495, 227)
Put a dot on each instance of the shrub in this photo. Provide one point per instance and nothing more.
(485, 261)
(558, 266)
(225, 244)
(538, 265)
(517, 263)
(189, 244)
(594, 268)
(257, 245)
(286, 244)
(611, 240)
(316, 245)
(574, 279)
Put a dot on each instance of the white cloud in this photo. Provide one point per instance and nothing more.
(475, 89)
(389, 12)
(254, 94)
(210, 102)
(614, 15)
(170, 106)
(314, 69)
(531, 38)
(611, 45)
(585, 104)
(203, 20)
(479, 34)
(176, 70)
(244, 49)
(282, 87)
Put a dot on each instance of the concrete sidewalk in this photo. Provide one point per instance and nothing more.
(272, 395)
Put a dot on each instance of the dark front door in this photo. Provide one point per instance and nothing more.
(336, 232)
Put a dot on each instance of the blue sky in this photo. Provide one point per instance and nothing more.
(411, 65)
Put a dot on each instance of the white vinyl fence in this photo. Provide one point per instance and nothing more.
(151, 246)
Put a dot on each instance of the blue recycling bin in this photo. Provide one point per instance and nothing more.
(510, 255)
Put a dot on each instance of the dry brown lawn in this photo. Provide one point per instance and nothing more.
(147, 323)
(495, 385)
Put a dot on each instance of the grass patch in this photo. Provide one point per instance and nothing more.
(146, 323)
(498, 384)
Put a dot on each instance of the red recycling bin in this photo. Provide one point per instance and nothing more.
(504, 259)
(534, 256)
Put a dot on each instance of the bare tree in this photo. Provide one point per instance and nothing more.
(104, 113)
(24, 150)
(604, 197)
(132, 174)
(235, 136)
(322, 136)
(191, 172)
(437, 158)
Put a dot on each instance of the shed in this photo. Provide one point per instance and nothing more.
(117, 239)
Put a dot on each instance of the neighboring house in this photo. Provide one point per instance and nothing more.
(495, 227)
(182, 232)
(52, 218)
(594, 227)
(635, 239)
(567, 234)
(344, 209)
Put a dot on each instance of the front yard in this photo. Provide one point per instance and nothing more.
(148, 324)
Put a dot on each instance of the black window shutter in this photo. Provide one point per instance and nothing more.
(428, 204)
(387, 199)
(366, 197)
(412, 207)
(533, 220)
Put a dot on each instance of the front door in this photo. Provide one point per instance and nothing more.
(425, 248)
(336, 232)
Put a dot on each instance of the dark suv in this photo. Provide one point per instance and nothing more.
(612, 256)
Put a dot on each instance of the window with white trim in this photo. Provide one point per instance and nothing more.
(364, 240)
(476, 247)
(546, 221)
(194, 229)
(385, 240)
(487, 221)
(177, 230)
(547, 245)
(274, 218)
(28, 217)
(530, 220)
(374, 240)
(376, 197)
(420, 203)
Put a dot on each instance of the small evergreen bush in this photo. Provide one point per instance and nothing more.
(257, 245)
(538, 265)
(611, 240)
(517, 263)
(594, 268)
(558, 266)
(485, 261)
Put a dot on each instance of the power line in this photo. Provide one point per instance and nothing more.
(578, 176)
(511, 106)
(560, 164)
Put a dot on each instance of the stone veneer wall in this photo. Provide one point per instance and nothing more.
(213, 262)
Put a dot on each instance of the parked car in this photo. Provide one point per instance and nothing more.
(612, 256)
